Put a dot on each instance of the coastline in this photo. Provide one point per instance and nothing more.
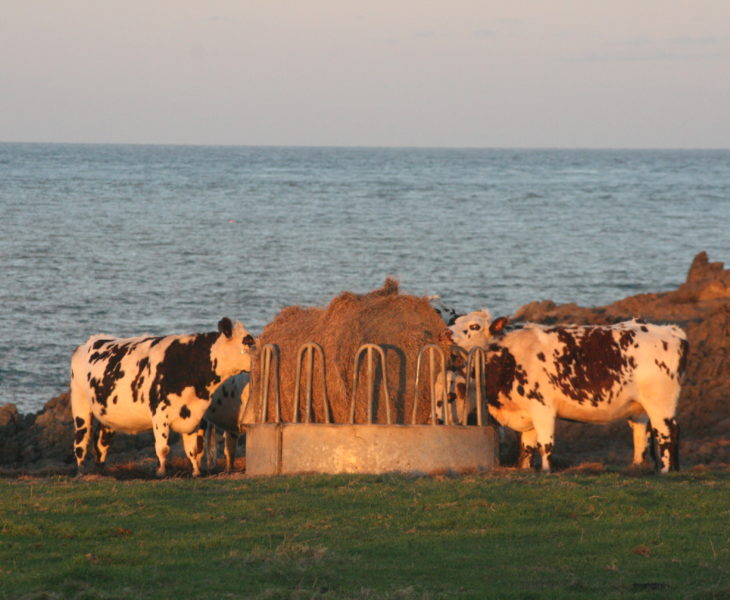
(41, 442)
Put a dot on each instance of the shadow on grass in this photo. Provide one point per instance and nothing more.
(143, 469)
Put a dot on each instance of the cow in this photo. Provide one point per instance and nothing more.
(452, 394)
(228, 411)
(149, 382)
(448, 314)
(591, 374)
(452, 408)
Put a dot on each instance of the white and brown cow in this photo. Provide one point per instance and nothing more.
(591, 374)
(159, 383)
(469, 330)
(228, 412)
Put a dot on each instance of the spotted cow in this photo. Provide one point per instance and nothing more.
(447, 313)
(159, 383)
(453, 405)
(591, 374)
(228, 412)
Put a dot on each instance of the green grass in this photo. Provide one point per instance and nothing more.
(504, 535)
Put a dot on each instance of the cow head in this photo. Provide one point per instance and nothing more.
(469, 331)
(233, 350)
(476, 329)
(448, 314)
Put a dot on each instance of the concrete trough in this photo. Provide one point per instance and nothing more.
(289, 448)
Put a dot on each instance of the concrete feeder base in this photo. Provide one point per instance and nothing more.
(289, 448)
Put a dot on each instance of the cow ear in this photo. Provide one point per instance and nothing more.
(225, 326)
(498, 325)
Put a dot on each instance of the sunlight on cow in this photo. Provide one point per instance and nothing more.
(591, 374)
(229, 410)
(159, 383)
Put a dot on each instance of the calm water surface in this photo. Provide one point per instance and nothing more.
(168, 239)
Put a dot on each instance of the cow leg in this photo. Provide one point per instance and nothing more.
(210, 447)
(231, 441)
(82, 435)
(161, 431)
(640, 429)
(528, 448)
(101, 445)
(545, 428)
(666, 437)
(194, 445)
(81, 412)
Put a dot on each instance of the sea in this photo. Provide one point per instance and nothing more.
(127, 239)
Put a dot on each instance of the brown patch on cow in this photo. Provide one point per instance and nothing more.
(664, 367)
(668, 443)
(534, 394)
(138, 381)
(527, 454)
(683, 354)
(626, 338)
(501, 374)
(548, 448)
(590, 363)
(673, 443)
(541, 356)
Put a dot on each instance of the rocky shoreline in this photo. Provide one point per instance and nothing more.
(41, 443)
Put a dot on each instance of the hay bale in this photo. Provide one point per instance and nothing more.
(401, 324)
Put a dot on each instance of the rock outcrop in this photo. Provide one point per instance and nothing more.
(701, 306)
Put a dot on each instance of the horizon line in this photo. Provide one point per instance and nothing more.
(371, 146)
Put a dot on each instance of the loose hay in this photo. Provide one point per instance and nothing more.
(401, 324)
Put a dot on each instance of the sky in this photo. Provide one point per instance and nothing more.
(451, 73)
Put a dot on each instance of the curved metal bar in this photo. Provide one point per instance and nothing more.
(370, 348)
(477, 359)
(309, 350)
(269, 354)
(431, 349)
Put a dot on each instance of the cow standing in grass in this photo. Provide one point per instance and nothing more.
(228, 412)
(591, 374)
(159, 383)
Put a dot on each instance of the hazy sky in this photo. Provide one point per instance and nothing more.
(513, 73)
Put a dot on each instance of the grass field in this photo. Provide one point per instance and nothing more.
(501, 535)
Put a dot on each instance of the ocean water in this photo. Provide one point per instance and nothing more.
(168, 239)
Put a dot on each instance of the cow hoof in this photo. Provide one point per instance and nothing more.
(83, 470)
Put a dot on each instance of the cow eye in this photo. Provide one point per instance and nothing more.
(248, 340)
(475, 327)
